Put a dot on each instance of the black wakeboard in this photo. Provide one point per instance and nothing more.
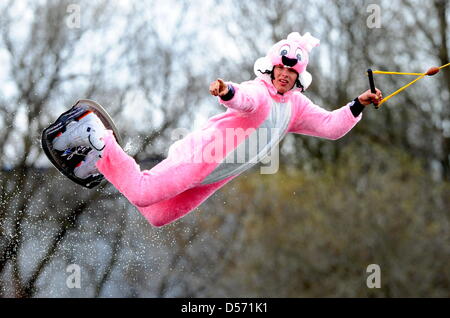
(66, 161)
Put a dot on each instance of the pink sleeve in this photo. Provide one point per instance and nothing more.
(246, 98)
(313, 120)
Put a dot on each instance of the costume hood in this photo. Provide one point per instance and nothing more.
(291, 52)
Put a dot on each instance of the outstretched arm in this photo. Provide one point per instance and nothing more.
(315, 121)
(243, 97)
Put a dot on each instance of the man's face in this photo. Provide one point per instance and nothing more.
(284, 78)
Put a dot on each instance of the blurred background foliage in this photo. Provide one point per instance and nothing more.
(380, 195)
(313, 233)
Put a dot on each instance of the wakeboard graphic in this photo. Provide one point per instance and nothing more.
(66, 161)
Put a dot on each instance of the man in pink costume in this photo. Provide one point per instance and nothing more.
(269, 106)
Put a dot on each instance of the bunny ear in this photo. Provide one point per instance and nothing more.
(294, 36)
(309, 42)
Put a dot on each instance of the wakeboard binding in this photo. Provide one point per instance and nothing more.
(68, 159)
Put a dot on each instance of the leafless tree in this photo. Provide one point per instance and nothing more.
(149, 63)
(45, 220)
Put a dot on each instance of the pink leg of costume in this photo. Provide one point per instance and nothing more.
(167, 211)
(163, 194)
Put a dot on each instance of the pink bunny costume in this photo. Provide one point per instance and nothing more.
(207, 159)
